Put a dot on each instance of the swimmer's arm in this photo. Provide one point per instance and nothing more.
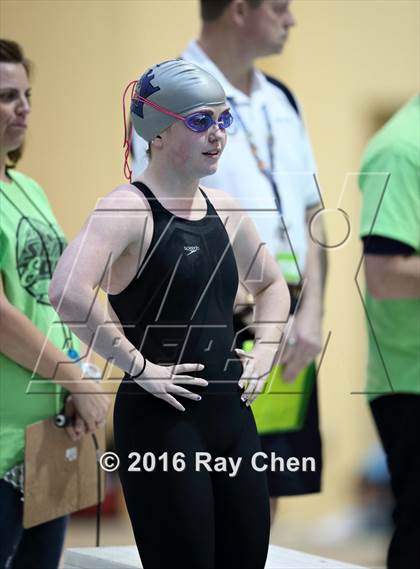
(112, 316)
(261, 276)
(116, 224)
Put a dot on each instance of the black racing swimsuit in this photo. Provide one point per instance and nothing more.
(178, 309)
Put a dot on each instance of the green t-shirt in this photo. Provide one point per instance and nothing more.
(31, 243)
(390, 184)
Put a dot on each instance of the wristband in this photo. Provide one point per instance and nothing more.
(142, 370)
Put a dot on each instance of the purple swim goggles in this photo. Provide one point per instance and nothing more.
(197, 122)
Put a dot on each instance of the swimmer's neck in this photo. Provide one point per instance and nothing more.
(236, 64)
(166, 183)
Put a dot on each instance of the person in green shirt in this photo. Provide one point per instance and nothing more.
(34, 344)
(390, 230)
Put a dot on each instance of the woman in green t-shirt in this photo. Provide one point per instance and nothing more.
(31, 243)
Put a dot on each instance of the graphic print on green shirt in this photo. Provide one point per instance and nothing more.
(38, 249)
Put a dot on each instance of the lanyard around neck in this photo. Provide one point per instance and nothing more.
(266, 170)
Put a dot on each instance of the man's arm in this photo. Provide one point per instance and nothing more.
(116, 226)
(315, 265)
(305, 336)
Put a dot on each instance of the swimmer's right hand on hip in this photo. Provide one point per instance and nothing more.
(161, 381)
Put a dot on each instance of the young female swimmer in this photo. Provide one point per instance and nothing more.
(170, 254)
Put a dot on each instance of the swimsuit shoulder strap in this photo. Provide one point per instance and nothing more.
(154, 203)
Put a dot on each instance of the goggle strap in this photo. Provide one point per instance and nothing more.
(158, 107)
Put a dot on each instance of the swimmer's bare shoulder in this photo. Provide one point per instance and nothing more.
(123, 215)
(119, 229)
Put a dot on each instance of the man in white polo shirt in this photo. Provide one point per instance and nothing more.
(268, 165)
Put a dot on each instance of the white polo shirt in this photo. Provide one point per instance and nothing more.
(238, 173)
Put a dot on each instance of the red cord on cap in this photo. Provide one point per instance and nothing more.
(128, 132)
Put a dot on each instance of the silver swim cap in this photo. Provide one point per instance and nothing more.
(175, 85)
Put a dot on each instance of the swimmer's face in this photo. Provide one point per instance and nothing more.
(14, 105)
(267, 27)
(195, 154)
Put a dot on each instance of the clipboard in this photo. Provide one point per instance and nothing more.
(61, 475)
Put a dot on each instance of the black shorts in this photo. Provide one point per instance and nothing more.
(305, 443)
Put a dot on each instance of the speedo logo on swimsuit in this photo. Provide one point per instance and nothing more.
(192, 249)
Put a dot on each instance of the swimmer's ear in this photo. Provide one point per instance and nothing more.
(157, 141)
